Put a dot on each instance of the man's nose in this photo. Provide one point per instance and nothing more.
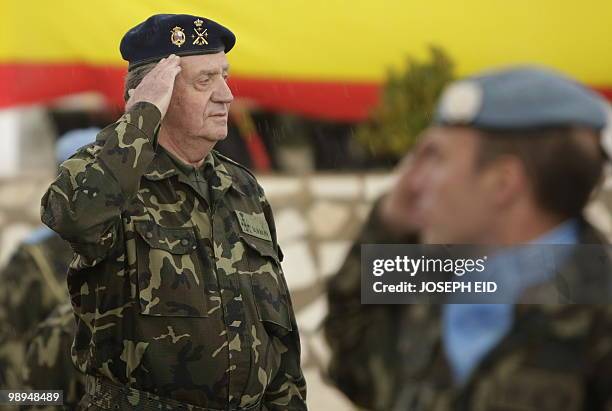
(418, 179)
(222, 92)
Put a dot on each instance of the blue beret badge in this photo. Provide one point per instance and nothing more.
(461, 102)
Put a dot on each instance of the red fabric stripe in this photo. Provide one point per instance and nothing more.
(343, 101)
(40, 83)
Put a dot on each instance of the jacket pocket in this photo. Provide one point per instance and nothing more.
(170, 280)
(268, 285)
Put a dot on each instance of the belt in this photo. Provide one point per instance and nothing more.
(110, 396)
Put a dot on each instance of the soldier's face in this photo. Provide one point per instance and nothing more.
(201, 97)
(454, 199)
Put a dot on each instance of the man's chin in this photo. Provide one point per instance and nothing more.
(220, 133)
(429, 236)
(215, 136)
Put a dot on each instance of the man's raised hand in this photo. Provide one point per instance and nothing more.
(157, 85)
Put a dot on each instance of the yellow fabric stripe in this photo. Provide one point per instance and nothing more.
(331, 39)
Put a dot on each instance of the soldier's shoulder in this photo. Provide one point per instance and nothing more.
(241, 172)
(233, 164)
(87, 151)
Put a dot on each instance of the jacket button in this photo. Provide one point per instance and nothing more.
(184, 241)
(149, 234)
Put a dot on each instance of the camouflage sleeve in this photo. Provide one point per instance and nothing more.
(362, 337)
(287, 390)
(84, 204)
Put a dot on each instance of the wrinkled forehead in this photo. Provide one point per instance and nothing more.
(204, 63)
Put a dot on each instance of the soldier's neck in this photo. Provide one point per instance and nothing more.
(524, 225)
(190, 150)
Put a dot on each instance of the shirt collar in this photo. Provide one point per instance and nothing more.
(164, 166)
(517, 268)
(565, 233)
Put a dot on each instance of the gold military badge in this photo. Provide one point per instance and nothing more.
(200, 32)
(178, 36)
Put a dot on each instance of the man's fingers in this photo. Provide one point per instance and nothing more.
(168, 64)
(174, 60)
(170, 61)
(170, 73)
(163, 63)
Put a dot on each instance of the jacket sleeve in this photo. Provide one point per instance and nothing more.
(287, 390)
(362, 338)
(84, 204)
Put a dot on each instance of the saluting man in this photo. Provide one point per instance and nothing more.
(176, 282)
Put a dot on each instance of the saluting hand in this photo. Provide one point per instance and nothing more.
(157, 85)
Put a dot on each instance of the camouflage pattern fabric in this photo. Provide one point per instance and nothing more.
(33, 283)
(390, 357)
(174, 296)
(48, 363)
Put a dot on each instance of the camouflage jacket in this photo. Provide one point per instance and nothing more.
(48, 363)
(175, 296)
(390, 357)
(32, 285)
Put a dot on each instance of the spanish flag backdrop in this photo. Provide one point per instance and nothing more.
(322, 59)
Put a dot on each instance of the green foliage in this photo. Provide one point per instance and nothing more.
(406, 106)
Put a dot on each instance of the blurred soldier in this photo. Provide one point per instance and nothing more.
(180, 299)
(512, 158)
(48, 363)
(33, 281)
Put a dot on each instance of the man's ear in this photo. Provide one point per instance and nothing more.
(507, 179)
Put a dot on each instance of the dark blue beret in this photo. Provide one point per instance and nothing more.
(520, 98)
(181, 34)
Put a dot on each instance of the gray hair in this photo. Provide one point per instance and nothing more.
(134, 77)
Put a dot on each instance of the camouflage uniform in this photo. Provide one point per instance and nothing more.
(176, 283)
(390, 357)
(33, 284)
(48, 364)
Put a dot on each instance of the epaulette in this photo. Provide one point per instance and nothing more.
(229, 160)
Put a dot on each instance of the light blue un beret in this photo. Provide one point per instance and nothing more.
(521, 98)
(70, 142)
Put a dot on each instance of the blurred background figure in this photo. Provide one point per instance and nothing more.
(48, 362)
(33, 286)
(329, 98)
(512, 157)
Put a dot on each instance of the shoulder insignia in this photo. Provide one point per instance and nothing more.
(233, 162)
